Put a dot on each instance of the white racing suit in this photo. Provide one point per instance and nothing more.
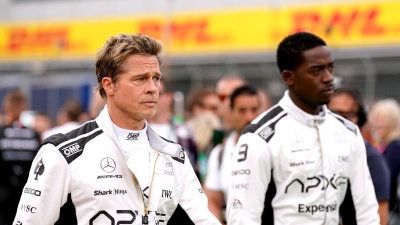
(84, 177)
(290, 167)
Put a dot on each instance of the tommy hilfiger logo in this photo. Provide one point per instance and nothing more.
(132, 136)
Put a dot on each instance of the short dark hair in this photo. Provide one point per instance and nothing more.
(356, 95)
(243, 90)
(290, 50)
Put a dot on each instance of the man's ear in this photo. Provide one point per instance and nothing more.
(289, 77)
(108, 86)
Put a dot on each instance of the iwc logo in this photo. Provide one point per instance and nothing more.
(108, 165)
(132, 136)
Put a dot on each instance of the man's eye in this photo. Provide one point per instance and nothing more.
(157, 78)
(141, 79)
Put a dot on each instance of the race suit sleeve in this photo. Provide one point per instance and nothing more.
(250, 177)
(362, 189)
(213, 181)
(46, 189)
(194, 201)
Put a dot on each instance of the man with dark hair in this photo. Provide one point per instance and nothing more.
(244, 107)
(18, 147)
(115, 169)
(347, 102)
(298, 160)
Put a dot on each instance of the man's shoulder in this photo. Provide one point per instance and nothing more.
(343, 122)
(264, 125)
(72, 144)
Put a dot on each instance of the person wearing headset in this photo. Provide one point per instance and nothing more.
(347, 102)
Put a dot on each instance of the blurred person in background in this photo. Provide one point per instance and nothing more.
(18, 147)
(298, 160)
(244, 108)
(202, 106)
(202, 100)
(347, 102)
(42, 122)
(384, 119)
(116, 168)
(68, 118)
(224, 89)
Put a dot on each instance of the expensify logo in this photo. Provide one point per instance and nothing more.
(317, 208)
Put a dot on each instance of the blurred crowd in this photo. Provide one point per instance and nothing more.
(214, 118)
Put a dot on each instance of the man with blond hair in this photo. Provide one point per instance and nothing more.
(115, 169)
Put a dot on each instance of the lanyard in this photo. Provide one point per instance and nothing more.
(146, 206)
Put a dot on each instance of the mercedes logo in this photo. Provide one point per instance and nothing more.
(108, 164)
(297, 141)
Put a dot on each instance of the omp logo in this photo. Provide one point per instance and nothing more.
(132, 136)
(166, 194)
(28, 208)
(266, 133)
(32, 191)
(71, 149)
(18, 223)
(108, 164)
(317, 208)
(316, 182)
(201, 191)
(240, 172)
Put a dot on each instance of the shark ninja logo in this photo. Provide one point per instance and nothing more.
(39, 169)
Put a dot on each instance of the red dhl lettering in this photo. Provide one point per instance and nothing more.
(364, 22)
(22, 38)
(191, 30)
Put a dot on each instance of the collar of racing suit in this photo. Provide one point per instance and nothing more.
(157, 143)
(301, 116)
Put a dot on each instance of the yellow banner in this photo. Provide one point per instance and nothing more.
(345, 25)
(244, 30)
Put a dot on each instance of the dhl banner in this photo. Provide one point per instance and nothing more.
(241, 30)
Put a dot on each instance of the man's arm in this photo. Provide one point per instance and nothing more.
(212, 185)
(46, 189)
(194, 201)
(251, 173)
(380, 175)
(362, 189)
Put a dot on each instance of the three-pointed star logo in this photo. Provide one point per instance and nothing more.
(108, 164)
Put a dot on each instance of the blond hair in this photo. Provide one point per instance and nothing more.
(390, 110)
(110, 59)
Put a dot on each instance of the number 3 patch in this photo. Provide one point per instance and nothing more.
(243, 152)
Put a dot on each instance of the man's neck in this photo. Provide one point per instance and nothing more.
(162, 118)
(304, 105)
(126, 122)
